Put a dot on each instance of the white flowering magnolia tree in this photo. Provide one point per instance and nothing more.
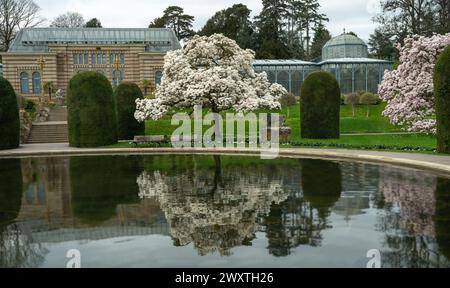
(213, 72)
(408, 90)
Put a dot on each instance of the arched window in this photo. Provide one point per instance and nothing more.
(117, 76)
(36, 83)
(24, 86)
(158, 77)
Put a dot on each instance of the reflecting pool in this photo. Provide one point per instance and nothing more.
(220, 211)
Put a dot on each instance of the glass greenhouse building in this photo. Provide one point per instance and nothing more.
(345, 56)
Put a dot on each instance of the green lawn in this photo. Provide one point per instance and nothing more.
(349, 124)
(360, 124)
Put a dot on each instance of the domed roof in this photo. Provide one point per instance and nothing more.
(345, 46)
(345, 39)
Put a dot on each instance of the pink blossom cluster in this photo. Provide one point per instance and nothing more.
(408, 90)
(414, 195)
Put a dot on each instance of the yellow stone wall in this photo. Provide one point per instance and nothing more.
(59, 64)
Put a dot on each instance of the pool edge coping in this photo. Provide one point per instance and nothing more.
(343, 154)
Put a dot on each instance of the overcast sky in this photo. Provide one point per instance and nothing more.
(352, 15)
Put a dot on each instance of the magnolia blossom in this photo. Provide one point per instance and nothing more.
(214, 222)
(414, 194)
(409, 89)
(213, 72)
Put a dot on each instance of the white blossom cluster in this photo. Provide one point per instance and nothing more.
(408, 90)
(213, 72)
(219, 221)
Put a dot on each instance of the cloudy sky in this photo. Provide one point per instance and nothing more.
(352, 15)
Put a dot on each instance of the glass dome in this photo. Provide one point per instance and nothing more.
(345, 46)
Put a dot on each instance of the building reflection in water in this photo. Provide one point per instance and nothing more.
(291, 202)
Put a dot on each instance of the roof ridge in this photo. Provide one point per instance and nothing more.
(38, 39)
(87, 28)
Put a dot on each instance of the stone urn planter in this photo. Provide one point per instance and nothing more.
(42, 114)
(285, 134)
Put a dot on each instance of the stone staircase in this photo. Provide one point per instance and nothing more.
(58, 114)
(52, 131)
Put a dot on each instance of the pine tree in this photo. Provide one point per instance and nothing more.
(234, 23)
(175, 19)
(321, 37)
(270, 23)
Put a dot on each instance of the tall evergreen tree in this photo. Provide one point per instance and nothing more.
(270, 23)
(321, 37)
(381, 46)
(294, 33)
(311, 18)
(93, 23)
(158, 22)
(234, 23)
(175, 19)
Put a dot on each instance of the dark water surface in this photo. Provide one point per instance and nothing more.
(223, 211)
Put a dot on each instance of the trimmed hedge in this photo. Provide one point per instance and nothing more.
(127, 126)
(442, 219)
(9, 116)
(100, 183)
(320, 106)
(442, 94)
(321, 184)
(363, 147)
(92, 118)
(10, 189)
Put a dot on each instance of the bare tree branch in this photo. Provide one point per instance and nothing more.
(16, 15)
(68, 20)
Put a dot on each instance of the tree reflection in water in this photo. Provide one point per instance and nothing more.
(16, 248)
(219, 221)
(416, 212)
(301, 218)
(99, 184)
(262, 197)
(442, 217)
(291, 202)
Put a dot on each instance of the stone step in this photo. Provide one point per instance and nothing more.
(53, 131)
(58, 114)
(53, 141)
(49, 132)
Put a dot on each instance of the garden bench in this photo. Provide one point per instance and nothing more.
(158, 139)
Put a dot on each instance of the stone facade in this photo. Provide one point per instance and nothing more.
(120, 54)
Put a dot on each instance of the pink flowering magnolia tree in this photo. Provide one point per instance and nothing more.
(408, 90)
(213, 72)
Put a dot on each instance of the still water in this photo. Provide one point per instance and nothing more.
(220, 211)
